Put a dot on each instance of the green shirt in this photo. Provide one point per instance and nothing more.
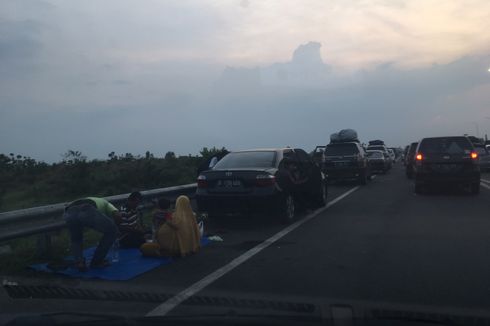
(103, 206)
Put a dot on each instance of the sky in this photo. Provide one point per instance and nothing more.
(131, 76)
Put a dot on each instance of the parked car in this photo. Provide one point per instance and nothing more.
(274, 181)
(446, 160)
(484, 158)
(346, 160)
(377, 161)
(410, 160)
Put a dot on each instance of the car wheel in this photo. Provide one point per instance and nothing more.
(418, 188)
(322, 200)
(288, 209)
(475, 188)
(409, 175)
(363, 178)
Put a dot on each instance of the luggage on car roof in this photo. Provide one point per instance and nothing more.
(344, 135)
(376, 142)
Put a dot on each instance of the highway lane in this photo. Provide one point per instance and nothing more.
(382, 242)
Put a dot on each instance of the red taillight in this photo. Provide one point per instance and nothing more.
(419, 157)
(202, 182)
(265, 180)
(474, 155)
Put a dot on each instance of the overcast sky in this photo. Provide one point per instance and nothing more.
(131, 76)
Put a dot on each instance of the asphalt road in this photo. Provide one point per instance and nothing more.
(378, 243)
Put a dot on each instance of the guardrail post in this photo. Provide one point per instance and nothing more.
(44, 245)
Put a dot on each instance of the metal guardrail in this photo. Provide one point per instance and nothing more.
(44, 219)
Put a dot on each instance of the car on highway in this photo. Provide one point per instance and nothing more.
(446, 160)
(377, 161)
(276, 181)
(391, 152)
(346, 160)
(379, 145)
(484, 158)
(410, 159)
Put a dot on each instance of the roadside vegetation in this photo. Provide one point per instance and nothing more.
(26, 182)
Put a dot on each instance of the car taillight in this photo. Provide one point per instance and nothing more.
(419, 157)
(202, 182)
(265, 180)
(474, 155)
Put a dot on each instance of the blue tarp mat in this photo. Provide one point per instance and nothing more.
(131, 264)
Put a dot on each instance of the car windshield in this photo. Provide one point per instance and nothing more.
(341, 150)
(237, 160)
(450, 145)
(375, 154)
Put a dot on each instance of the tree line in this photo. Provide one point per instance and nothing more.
(25, 182)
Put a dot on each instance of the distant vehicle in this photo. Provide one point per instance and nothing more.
(377, 161)
(346, 160)
(410, 160)
(375, 146)
(271, 181)
(484, 158)
(392, 155)
(446, 160)
(405, 153)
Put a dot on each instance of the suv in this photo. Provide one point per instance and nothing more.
(446, 160)
(271, 181)
(346, 160)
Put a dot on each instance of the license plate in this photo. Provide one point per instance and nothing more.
(229, 183)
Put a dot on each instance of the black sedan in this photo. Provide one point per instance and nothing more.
(274, 181)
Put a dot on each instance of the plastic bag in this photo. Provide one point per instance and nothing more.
(201, 228)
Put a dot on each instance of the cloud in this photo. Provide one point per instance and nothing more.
(118, 75)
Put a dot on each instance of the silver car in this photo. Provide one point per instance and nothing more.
(484, 158)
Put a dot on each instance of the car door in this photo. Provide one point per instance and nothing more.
(310, 173)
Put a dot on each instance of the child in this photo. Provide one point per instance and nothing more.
(161, 214)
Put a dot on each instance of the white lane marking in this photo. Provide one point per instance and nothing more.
(485, 180)
(484, 185)
(173, 302)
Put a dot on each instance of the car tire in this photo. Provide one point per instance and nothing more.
(475, 188)
(418, 188)
(287, 210)
(322, 200)
(363, 178)
(409, 174)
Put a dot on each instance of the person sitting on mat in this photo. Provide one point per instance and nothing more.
(177, 237)
(132, 231)
(161, 214)
(94, 213)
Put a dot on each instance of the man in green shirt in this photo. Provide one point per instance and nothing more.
(95, 213)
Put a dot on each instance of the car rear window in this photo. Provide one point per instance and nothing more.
(449, 145)
(341, 150)
(374, 154)
(237, 160)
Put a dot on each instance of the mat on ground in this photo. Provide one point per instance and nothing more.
(131, 264)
